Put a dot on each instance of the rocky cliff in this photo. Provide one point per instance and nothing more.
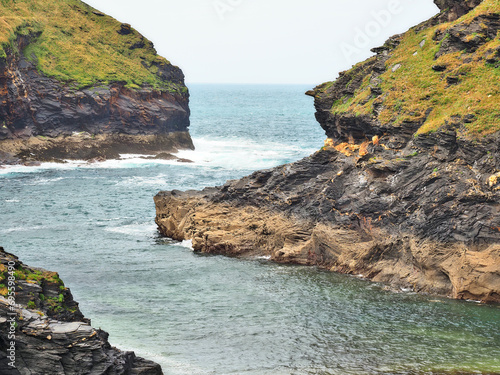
(75, 83)
(406, 189)
(43, 332)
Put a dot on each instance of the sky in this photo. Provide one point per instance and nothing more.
(267, 41)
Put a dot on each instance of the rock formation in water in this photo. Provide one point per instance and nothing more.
(406, 190)
(43, 332)
(75, 83)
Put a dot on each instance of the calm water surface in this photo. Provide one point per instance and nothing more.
(196, 314)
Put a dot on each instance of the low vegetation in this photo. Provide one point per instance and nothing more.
(421, 86)
(42, 278)
(77, 44)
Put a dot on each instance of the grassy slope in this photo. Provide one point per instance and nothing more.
(414, 88)
(77, 45)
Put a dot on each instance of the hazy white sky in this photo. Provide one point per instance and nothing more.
(267, 41)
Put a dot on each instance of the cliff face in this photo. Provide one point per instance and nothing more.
(50, 334)
(75, 83)
(406, 189)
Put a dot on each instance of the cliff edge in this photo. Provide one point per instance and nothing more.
(77, 84)
(405, 190)
(43, 332)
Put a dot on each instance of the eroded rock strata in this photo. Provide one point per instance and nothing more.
(385, 198)
(50, 334)
(76, 103)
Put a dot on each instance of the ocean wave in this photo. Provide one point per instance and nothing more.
(187, 244)
(239, 153)
(144, 181)
(134, 229)
(228, 153)
(46, 181)
(22, 229)
(23, 169)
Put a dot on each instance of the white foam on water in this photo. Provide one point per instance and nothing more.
(126, 161)
(22, 229)
(187, 244)
(133, 156)
(238, 153)
(8, 169)
(159, 180)
(46, 181)
(229, 153)
(12, 201)
(134, 229)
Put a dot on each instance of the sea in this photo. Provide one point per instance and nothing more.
(197, 314)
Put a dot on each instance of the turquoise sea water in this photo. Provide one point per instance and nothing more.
(195, 314)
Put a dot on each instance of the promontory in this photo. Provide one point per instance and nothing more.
(77, 84)
(406, 189)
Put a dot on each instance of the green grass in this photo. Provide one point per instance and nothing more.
(77, 46)
(415, 87)
(33, 276)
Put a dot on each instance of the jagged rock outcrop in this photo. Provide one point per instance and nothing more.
(43, 332)
(455, 9)
(78, 103)
(406, 189)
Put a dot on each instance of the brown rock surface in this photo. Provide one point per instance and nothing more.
(402, 261)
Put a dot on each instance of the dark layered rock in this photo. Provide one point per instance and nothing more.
(424, 217)
(416, 210)
(43, 332)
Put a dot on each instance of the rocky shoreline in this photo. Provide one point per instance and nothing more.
(84, 146)
(333, 211)
(43, 331)
(414, 209)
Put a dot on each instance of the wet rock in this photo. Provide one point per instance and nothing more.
(165, 156)
(420, 219)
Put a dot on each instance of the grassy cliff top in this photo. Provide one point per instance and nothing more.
(79, 44)
(437, 75)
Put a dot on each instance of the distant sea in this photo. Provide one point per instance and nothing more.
(196, 314)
